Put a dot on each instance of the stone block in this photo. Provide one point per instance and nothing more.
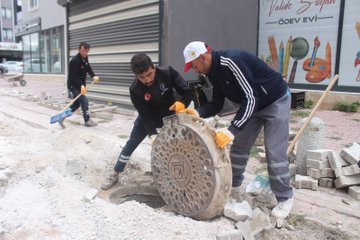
(350, 170)
(336, 161)
(354, 192)
(319, 154)
(90, 195)
(259, 222)
(327, 173)
(311, 163)
(238, 211)
(346, 181)
(292, 168)
(231, 235)
(306, 182)
(352, 153)
(326, 182)
(314, 173)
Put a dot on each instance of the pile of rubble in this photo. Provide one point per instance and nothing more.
(327, 168)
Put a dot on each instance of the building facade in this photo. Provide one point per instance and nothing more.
(116, 30)
(41, 30)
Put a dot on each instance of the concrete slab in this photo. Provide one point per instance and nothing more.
(306, 182)
(352, 153)
(319, 154)
(346, 181)
(354, 192)
(350, 170)
(238, 211)
(311, 163)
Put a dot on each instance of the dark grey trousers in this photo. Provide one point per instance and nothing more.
(275, 119)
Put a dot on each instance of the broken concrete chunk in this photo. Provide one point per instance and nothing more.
(90, 195)
(350, 170)
(319, 154)
(346, 181)
(238, 211)
(259, 222)
(231, 235)
(311, 163)
(305, 182)
(3, 179)
(354, 192)
(351, 154)
(75, 167)
(326, 182)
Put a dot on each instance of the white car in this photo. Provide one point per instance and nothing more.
(14, 66)
(33, 65)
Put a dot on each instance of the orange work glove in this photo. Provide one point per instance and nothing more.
(223, 138)
(190, 111)
(83, 90)
(96, 79)
(177, 107)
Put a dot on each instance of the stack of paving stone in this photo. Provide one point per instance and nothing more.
(330, 168)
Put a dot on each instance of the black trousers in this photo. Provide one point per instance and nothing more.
(81, 101)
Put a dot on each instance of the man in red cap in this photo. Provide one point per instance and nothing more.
(264, 99)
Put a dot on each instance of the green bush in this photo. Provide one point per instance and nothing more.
(308, 104)
(344, 106)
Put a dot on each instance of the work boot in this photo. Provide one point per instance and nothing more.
(110, 182)
(282, 209)
(90, 123)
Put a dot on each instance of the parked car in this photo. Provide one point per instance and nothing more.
(3, 68)
(14, 66)
(33, 65)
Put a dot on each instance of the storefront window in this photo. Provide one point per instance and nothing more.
(26, 52)
(43, 52)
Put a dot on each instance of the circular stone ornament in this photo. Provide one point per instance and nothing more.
(191, 173)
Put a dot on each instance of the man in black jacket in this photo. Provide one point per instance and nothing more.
(78, 68)
(264, 99)
(152, 93)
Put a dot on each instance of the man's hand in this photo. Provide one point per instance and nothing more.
(223, 138)
(96, 79)
(190, 111)
(152, 139)
(177, 107)
(83, 90)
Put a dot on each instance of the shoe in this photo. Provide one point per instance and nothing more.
(282, 209)
(90, 123)
(110, 182)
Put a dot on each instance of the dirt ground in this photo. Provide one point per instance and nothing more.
(44, 200)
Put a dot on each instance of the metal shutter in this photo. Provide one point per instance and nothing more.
(116, 30)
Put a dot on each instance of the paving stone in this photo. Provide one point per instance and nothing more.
(319, 154)
(3, 179)
(259, 222)
(354, 192)
(314, 173)
(238, 211)
(231, 235)
(336, 161)
(350, 170)
(306, 182)
(311, 163)
(352, 153)
(90, 195)
(292, 168)
(346, 181)
(327, 173)
(326, 182)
